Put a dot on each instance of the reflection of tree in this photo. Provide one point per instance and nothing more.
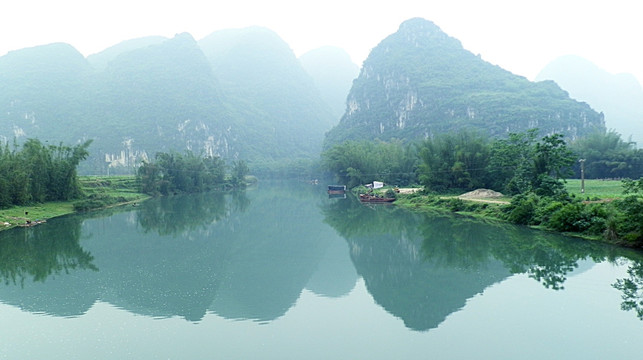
(38, 253)
(632, 289)
(351, 218)
(239, 202)
(176, 214)
(423, 267)
(470, 243)
(467, 243)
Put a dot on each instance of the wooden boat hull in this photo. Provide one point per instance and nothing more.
(374, 199)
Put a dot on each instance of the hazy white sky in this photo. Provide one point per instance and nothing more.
(520, 36)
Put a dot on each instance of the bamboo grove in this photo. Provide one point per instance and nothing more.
(37, 172)
(174, 172)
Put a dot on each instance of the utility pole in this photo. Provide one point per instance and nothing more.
(582, 175)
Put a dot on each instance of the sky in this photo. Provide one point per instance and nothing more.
(519, 36)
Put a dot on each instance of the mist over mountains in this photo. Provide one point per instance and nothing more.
(618, 96)
(248, 98)
(243, 94)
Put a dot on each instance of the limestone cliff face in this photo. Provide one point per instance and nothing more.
(420, 82)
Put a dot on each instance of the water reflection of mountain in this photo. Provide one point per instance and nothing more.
(422, 268)
(248, 256)
(188, 255)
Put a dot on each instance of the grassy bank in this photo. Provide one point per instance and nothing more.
(595, 189)
(602, 212)
(99, 192)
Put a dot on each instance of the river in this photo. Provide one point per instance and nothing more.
(283, 272)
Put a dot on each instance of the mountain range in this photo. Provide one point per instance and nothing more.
(243, 94)
(238, 94)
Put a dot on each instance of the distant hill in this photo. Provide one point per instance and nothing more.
(419, 82)
(100, 60)
(248, 99)
(333, 72)
(270, 92)
(618, 96)
(41, 89)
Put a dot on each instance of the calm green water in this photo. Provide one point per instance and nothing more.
(283, 272)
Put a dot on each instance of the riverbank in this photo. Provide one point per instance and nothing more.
(602, 212)
(99, 192)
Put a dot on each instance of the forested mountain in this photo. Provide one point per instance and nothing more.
(618, 96)
(249, 99)
(41, 88)
(419, 82)
(333, 72)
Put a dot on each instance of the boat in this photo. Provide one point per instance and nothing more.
(336, 189)
(30, 223)
(374, 199)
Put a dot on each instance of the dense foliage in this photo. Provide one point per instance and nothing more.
(462, 161)
(361, 162)
(518, 164)
(607, 156)
(618, 220)
(39, 172)
(454, 161)
(531, 169)
(188, 173)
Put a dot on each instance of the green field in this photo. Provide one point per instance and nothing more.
(596, 189)
(99, 192)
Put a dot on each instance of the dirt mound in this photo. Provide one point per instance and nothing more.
(481, 194)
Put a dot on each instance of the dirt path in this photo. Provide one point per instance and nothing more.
(409, 190)
(490, 201)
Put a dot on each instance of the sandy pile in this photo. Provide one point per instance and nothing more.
(481, 194)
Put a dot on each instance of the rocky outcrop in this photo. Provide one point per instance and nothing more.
(420, 82)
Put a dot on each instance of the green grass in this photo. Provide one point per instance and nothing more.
(114, 186)
(100, 192)
(18, 215)
(596, 189)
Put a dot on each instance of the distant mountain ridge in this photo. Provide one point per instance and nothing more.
(253, 101)
(243, 94)
(333, 72)
(618, 96)
(264, 81)
(419, 82)
(100, 60)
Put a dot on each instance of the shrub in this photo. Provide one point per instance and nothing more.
(629, 220)
(578, 217)
(523, 209)
(390, 193)
(547, 207)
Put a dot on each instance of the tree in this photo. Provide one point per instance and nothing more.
(361, 162)
(39, 173)
(608, 156)
(552, 162)
(239, 171)
(173, 172)
(454, 161)
(521, 164)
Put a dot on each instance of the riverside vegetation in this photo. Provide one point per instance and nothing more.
(529, 170)
(40, 181)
